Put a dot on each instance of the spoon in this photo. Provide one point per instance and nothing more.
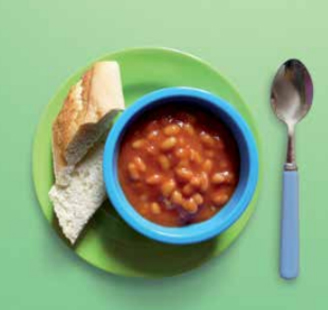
(291, 99)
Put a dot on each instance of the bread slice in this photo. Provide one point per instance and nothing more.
(87, 111)
(75, 203)
(84, 119)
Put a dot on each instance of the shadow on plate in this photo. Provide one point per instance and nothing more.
(126, 252)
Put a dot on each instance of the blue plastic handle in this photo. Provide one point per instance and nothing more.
(289, 243)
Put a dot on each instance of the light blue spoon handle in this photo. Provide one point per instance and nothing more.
(289, 243)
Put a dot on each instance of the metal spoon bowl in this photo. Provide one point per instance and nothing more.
(291, 100)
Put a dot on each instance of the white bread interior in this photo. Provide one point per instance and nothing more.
(75, 204)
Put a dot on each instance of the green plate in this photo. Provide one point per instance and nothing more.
(108, 243)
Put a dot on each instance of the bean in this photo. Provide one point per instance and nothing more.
(192, 155)
(168, 143)
(171, 130)
(224, 177)
(208, 165)
(182, 153)
(190, 205)
(188, 190)
(220, 198)
(195, 181)
(153, 134)
(154, 179)
(204, 182)
(153, 125)
(206, 139)
(198, 198)
(210, 153)
(155, 208)
(139, 185)
(168, 187)
(213, 208)
(189, 129)
(184, 163)
(140, 164)
(133, 172)
(151, 149)
(195, 156)
(137, 144)
(144, 198)
(168, 204)
(219, 143)
(144, 209)
(229, 177)
(218, 178)
(164, 162)
(181, 141)
(184, 174)
(177, 197)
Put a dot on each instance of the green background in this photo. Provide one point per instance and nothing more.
(43, 42)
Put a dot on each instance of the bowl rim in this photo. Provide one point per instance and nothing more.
(187, 234)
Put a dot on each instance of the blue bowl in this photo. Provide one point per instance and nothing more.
(242, 196)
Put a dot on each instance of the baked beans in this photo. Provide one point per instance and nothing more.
(178, 166)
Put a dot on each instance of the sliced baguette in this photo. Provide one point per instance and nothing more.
(75, 203)
(87, 111)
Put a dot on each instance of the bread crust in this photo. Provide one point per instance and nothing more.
(87, 110)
